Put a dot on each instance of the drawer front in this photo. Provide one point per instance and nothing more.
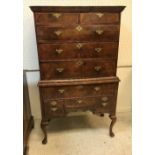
(77, 69)
(99, 18)
(60, 70)
(58, 51)
(89, 103)
(54, 108)
(60, 107)
(78, 33)
(76, 50)
(56, 19)
(78, 90)
(98, 68)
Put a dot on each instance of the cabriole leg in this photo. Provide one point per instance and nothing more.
(113, 118)
(43, 127)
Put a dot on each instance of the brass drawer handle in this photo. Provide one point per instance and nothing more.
(79, 28)
(53, 103)
(99, 14)
(79, 63)
(99, 32)
(98, 50)
(59, 51)
(97, 68)
(79, 101)
(105, 98)
(56, 15)
(79, 45)
(97, 88)
(54, 109)
(60, 70)
(61, 91)
(58, 33)
(104, 104)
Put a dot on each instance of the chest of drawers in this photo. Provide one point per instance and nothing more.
(77, 50)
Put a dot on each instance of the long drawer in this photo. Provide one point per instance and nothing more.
(62, 51)
(55, 92)
(80, 68)
(47, 34)
(60, 107)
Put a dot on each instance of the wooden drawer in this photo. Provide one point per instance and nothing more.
(89, 103)
(54, 92)
(60, 70)
(99, 18)
(98, 68)
(59, 107)
(57, 51)
(56, 19)
(54, 108)
(78, 33)
(77, 69)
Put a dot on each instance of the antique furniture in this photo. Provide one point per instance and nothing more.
(78, 50)
(28, 122)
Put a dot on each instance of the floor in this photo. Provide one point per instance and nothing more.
(83, 135)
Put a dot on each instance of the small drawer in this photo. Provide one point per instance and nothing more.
(54, 107)
(99, 18)
(88, 103)
(78, 33)
(77, 69)
(56, 19)
(57, 51)
(55, 92)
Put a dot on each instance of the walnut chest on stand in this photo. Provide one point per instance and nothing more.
(78, 51)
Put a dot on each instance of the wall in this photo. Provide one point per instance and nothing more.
(30, 57)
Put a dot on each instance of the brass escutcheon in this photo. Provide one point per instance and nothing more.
(56, 15)
(79, 45)
(99, 32)
(97, 68)
(58, 33)
(79, 28)
(79, 101)
(104, 103)
(99, 14)
(60, 70)
(98, 50)
(59, 51)
(53, 103)
(54, 108)
(61, 91)
(105, 98)
(79, 63)
(97, 88)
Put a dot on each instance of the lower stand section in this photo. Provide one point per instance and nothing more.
(45, 123)
(113, 118)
